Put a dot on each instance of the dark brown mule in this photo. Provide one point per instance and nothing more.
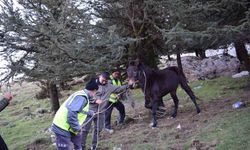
(157, 83)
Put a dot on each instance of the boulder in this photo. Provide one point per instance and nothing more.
(208, 68)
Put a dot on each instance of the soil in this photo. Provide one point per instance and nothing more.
(183, 128)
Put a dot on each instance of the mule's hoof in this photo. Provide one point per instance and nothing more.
(170, 117)
(152, 125)
(173, 116)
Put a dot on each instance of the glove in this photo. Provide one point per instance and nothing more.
(91, 113)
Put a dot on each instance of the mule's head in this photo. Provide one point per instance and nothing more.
(133, 72)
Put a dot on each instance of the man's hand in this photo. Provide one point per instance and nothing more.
(91, 113)
(8, 96)
(119, 96)
(130, 82)
(98, 101)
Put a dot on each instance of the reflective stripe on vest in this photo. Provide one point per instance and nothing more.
(113, 96)
(60, 118)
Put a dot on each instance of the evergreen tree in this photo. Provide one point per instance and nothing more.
(52, 40)
(133, 23)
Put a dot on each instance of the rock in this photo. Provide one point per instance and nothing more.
(208, 68)
(241, 74)
(41, 111)
(4, 123)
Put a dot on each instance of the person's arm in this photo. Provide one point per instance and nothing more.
(74, 108)
(3, 104)
(117, 89)
(5, 101)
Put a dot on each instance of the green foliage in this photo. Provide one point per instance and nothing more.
(50, 40)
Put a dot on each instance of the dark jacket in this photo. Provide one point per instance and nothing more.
(3, 103)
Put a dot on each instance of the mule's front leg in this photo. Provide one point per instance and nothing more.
(148, 104)
(154, 109)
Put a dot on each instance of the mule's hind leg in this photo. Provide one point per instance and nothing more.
(188, 90)
(176, 102)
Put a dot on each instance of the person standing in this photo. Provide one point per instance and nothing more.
(70, 117)
(114, 101)
(7, 97)
(98, 105)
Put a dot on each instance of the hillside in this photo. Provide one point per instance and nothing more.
(25, 123)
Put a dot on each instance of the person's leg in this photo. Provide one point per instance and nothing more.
(108, 113)
(77, 140)
(62, 142)
(3, 145)
(120, 107)
(85, 131)
(99, 123)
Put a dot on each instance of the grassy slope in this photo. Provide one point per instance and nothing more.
(227, 129)
(230, 129)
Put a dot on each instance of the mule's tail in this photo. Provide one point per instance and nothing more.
(184, 84)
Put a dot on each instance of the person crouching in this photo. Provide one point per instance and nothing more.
(70, 117)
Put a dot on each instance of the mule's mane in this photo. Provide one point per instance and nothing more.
(146, 69)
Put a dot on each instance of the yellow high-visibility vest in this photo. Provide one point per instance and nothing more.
(113, 96)
(60, 119)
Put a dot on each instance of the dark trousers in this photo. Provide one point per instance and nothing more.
(64, 143)
(3, 145)
(120, 107)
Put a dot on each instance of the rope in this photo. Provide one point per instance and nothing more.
(145, 84)
(98, 119)
(99, 112)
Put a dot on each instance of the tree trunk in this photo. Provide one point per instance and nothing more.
(54, 97)
(169, 58)
(242, 54)
(203, 54)
(179, 61)
(200, 53)
(238, 46)
(148, 56)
